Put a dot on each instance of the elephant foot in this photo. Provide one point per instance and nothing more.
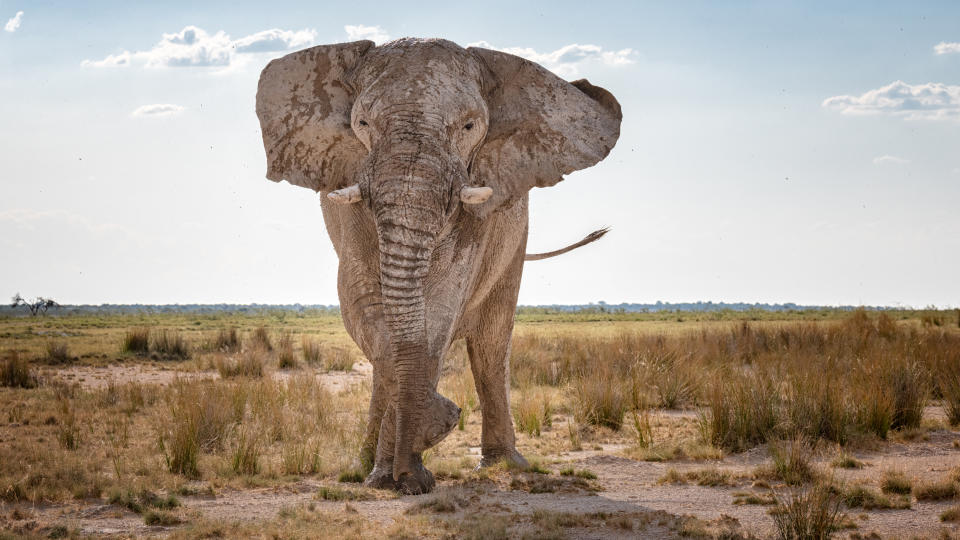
(380, 478)
(416, 482)
(513, 459)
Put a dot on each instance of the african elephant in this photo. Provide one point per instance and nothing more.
(426, 152)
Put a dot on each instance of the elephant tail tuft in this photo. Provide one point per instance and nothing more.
(592, 237)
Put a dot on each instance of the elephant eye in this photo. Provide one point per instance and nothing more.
(469, 126)
(362, 122)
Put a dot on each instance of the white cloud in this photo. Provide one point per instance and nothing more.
(274, 40)
(157, 110)
(567, 60)
(14, 22)
(932, 101)
(194, 47)
(890, 160)
(373, 33)
(946, 48)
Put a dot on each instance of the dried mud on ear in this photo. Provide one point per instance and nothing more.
(304, 111)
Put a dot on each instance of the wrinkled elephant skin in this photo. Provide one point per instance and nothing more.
(424, 153)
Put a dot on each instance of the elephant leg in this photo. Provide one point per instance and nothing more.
(490, 362)
(381, 477)
(378, 407)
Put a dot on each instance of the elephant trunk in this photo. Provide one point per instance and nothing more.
(407, 225)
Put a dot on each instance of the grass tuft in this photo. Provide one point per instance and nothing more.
(16, 372)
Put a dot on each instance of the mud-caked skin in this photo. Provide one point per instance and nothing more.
(424, 152)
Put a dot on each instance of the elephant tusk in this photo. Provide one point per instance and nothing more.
(347, 195)
(475, 195)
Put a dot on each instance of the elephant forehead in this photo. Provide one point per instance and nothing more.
(426, 71)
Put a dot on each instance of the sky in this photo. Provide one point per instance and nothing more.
(770, 151)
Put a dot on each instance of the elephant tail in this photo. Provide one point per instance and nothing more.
(592, 237)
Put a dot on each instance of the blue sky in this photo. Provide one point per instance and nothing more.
(770, 151)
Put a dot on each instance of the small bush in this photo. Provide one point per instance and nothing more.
(261, 339)
(246, 453)
(58, 352)
(68, 426)
(896, 482)
(312, 351)
(16, 372)
(600, 400)
(352, 477)
(812, 514)
(158, 518)
(791, 462)
(950, 514)
(249, 363)
(227, 340)
(846, 461)
(936, 491)
(533, 412)
(869, 499)
(285, 356)
(171, 344)
(338, 359)
(335, 493)
(136, 341)
(582, 473)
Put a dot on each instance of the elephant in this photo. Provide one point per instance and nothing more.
(424, 153)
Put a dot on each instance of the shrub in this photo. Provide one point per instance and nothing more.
(908, 382)
(16, 372)
(171, 344)
(158, 518)
(249, 363)
(246, 453)
(951, 514)
(744, 410)
(68, 428)
(312, 351)
(896, 482)
(227, 340)
(600, 400)
(869, 499)
(813, 513)
(790, 462)
(261, 339)
(936, 491)
(58, 352)
(201, 416)
(533, 412)
(136, 341)
(285, 356)
(338, 359)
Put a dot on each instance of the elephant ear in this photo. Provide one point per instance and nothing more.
(304, 103)
(541, 127)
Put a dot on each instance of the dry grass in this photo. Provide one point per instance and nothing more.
(136, 341)
(939, 490)
(16, 372)
(260, 338)
(896, 482)
(58, 353)
(227, 340)
(170, 344)
(807, 514)
(285, 356)
(249, 363)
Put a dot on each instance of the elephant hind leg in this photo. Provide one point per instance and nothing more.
(489, 360)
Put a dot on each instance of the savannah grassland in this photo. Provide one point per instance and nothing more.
(704, 425)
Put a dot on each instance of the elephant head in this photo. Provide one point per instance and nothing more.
(424, 133)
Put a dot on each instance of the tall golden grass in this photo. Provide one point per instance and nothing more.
(865, 375)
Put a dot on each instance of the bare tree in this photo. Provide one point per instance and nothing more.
(39, 305)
